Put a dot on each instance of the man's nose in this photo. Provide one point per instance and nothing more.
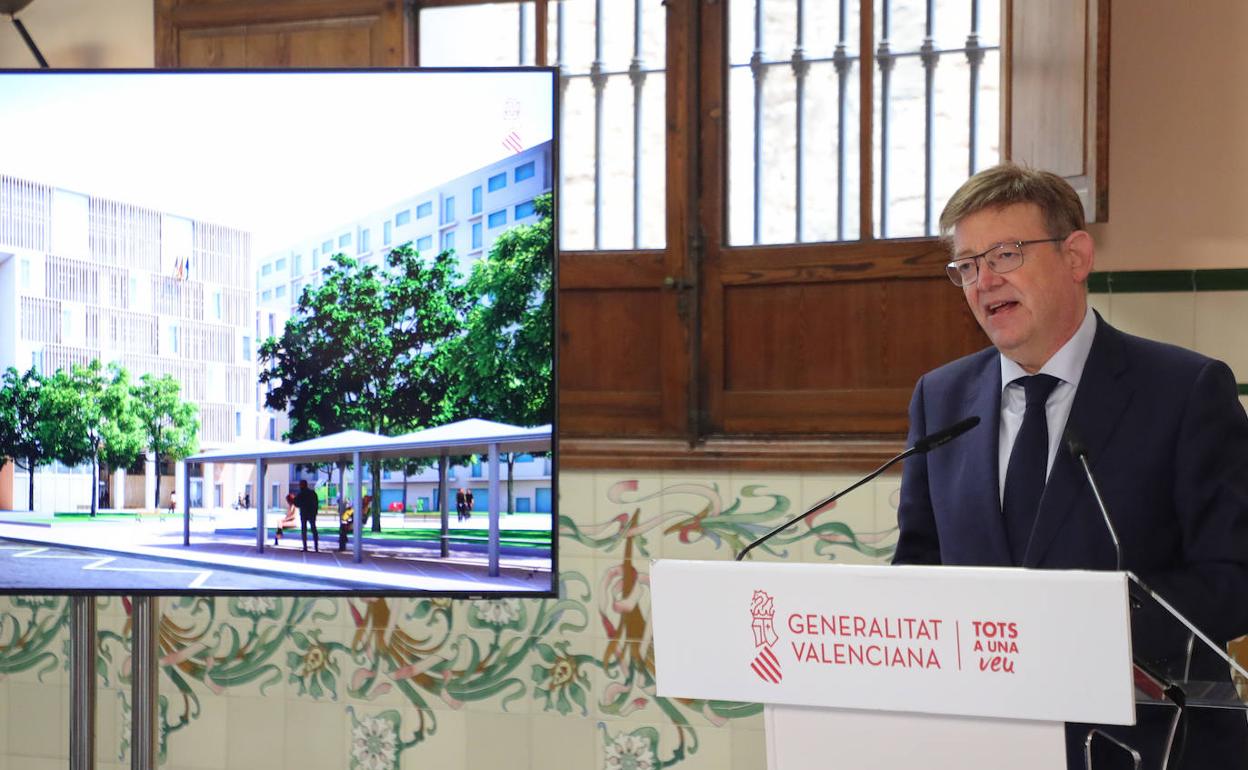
(987, 277)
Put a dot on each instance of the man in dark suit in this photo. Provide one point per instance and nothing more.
(1164, 430)
(308, 504)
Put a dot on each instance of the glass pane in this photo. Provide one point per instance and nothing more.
(576, 191)
(612, 56)
(793, 127)
(901, 183)
(793, 121)
(965, 103)
(486, 35)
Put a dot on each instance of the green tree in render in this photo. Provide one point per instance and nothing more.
(505, 360)
(364, 349)
(90, 414)
(170, 425)
(21, 412)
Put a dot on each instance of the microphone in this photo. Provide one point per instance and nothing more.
(1078, 451)
(1147, 677)
(922, 446)
(944, 435)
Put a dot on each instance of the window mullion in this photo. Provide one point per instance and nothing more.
(975, 59)
(637, 76)
(886, 62)
(801, 66)
(598, 77)
(758, 70)
(866, 119)
(841, 61)
(930, 56)
(523, 33)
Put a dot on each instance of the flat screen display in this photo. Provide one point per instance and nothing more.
(278, 332)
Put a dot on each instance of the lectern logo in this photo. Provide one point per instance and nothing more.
(765, 664)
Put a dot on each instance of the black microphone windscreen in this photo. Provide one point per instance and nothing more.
(945, 435)
(1073, 444)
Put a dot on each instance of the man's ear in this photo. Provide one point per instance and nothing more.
(1079, 250)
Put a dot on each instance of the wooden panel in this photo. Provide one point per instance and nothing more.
(282, 33)
(1049, 47)
(864, 260)
(1056, 62)
(610, 361)
(592, 269)
(716, 454)
(213, 50)
(830, 336)
(607, 340)
(609, 414)
(836, 358)
(342, 43)
(873, 411)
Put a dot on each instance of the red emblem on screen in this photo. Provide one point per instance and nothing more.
(765, 664)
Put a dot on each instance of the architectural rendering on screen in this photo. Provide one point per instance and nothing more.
(277, 332)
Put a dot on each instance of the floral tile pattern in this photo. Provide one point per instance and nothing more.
(365, 683)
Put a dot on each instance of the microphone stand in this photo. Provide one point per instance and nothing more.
(1146, 675)
(925, 444)
(825, 501)
(1080, 453)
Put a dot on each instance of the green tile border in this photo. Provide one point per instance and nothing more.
(1222, 280)
(1243, 388)
(1168, 281)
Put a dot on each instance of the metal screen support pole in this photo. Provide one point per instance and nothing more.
(444, 503)
(144, 671)
(82, 683)
(492, 548)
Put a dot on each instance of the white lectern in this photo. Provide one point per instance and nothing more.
(873, 667)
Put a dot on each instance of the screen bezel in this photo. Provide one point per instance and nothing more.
(548, 592)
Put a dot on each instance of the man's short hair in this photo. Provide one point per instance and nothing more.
(303, 482)
(1008, 184)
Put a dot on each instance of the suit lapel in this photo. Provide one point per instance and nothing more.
(983, 492)
(1099, 403)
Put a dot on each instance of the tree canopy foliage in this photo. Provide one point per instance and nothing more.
(21, 415)
(170, 425)
(413, 345)
(505, 359)
(365, 349)
(92, 413)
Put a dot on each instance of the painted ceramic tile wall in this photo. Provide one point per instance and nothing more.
(398, 684)
(1205, 310)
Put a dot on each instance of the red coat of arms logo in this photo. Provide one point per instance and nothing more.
(765, 664)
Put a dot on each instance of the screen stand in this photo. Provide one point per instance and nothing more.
(82, 626)
(144, 668)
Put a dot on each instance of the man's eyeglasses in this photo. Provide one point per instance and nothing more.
(1001, 258)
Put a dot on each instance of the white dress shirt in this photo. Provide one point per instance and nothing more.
(1067, 366)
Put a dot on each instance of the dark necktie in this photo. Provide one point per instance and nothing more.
(1029, 459)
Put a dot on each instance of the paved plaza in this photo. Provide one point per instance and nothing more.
(223, 541)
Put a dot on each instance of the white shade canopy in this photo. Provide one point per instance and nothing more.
(471, 436)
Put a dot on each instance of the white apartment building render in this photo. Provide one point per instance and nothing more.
(465, 215)
(84, 277)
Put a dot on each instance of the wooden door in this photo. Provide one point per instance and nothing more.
(282, 33)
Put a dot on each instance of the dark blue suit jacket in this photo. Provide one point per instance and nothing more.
(1168, 442)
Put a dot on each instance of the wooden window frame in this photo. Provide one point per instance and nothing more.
(654, 320)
